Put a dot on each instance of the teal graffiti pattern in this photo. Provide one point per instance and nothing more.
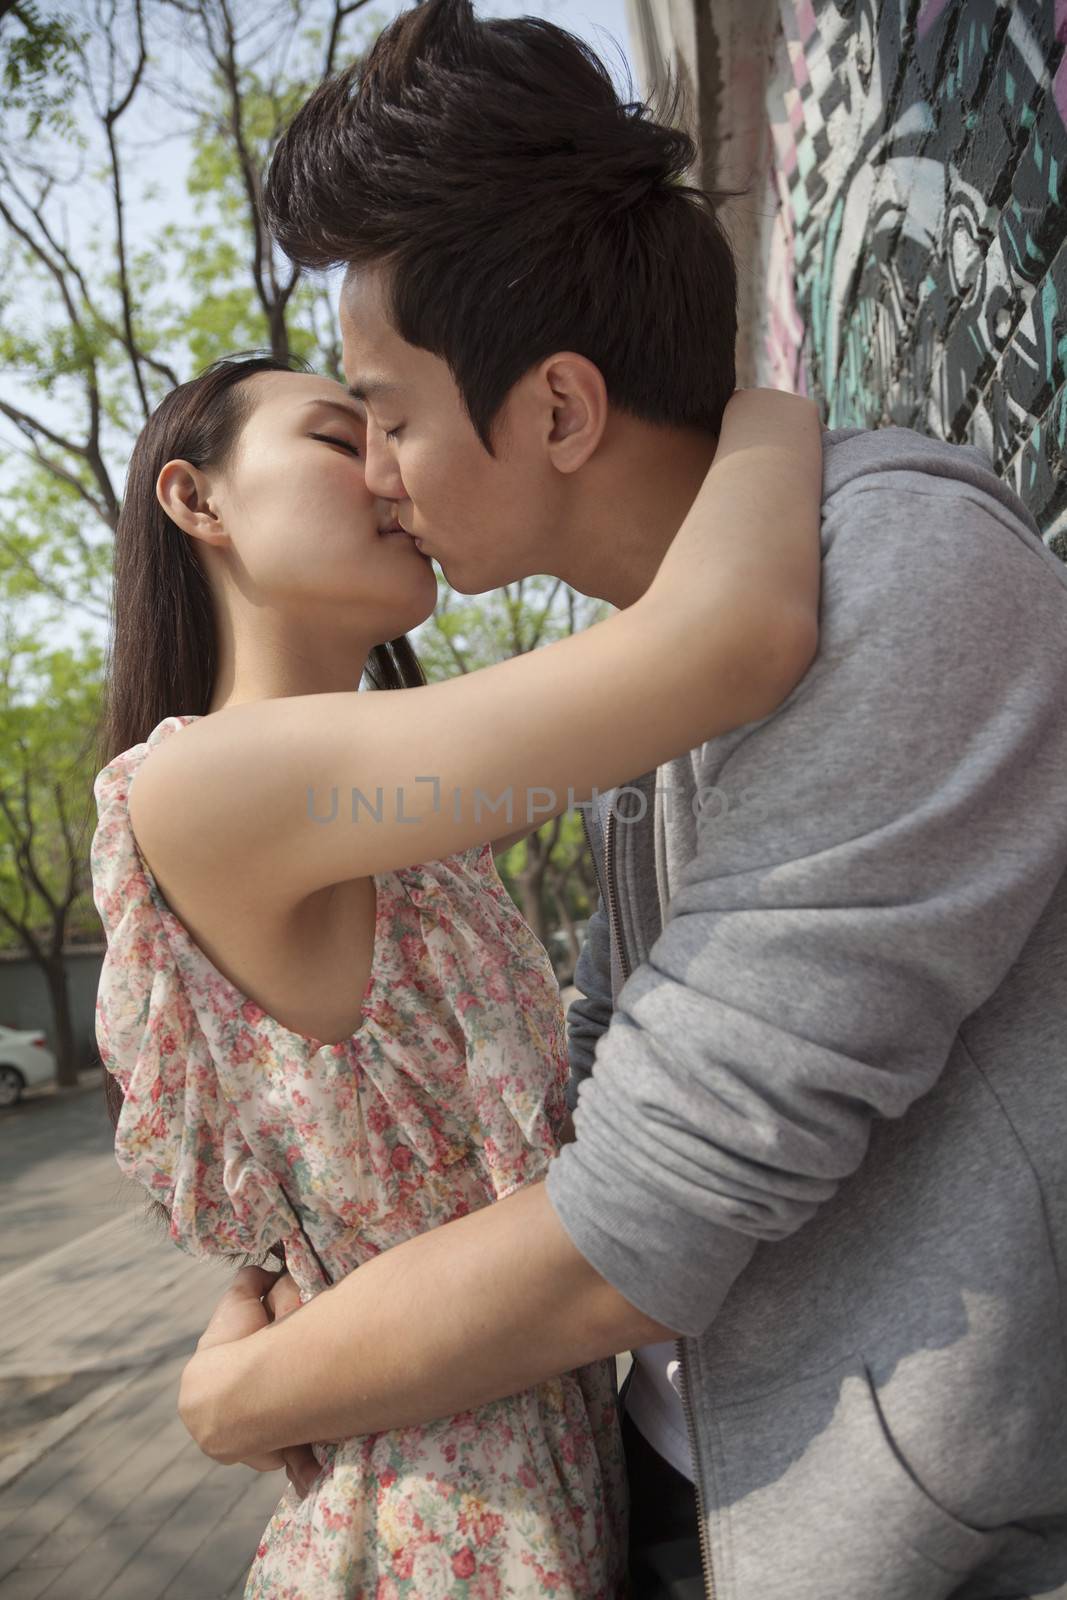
(921, 158)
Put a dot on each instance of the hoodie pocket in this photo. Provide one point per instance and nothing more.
(816, 1501)
(942, 1537)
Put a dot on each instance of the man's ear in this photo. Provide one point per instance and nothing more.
(576, 400)
(184, 493)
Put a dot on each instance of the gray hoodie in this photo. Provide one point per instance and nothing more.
(825, 1134)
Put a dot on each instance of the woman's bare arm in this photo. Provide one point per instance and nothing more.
(329, 787)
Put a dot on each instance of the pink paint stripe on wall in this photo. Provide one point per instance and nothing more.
(805, 19)
(929, 14)
(1059, 90)
(800, 66)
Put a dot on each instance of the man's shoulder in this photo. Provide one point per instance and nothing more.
(893, 495)
(853, 455)
(927, 558)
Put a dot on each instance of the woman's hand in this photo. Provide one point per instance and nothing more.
(254, 1300)
(283, 1297)
(242, 1310)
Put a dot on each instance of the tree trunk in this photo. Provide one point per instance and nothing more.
(63, 1043)
(559, 895)
(279, 332)
(529, 882)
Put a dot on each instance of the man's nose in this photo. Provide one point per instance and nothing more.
(382, 475)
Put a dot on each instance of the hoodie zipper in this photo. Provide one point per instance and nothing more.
(707, 1571)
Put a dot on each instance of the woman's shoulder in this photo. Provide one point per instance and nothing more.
(114, 858)
(113, 779)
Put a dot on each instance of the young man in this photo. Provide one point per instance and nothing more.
(819, 1178)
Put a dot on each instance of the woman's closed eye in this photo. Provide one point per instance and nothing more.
(343, 444)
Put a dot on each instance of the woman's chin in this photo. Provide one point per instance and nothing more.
(423, 604)
(429, 605)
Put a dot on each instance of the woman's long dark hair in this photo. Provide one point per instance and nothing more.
(163, 653)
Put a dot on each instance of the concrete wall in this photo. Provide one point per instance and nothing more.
(903, 247)
(24, 1001)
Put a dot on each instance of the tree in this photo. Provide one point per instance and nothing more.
(106, 303)
(48, 709)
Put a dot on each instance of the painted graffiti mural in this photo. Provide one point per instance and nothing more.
(916, 260)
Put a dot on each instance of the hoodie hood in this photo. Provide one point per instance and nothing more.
(853, 455)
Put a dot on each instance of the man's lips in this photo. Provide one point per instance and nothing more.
(394, 529)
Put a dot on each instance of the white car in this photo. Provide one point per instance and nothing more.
(25, 1062)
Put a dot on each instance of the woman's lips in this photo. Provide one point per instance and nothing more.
(397, 531)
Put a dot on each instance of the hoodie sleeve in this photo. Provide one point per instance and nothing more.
(589, 1014)
(893, 833)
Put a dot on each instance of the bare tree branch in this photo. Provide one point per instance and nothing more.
(341, 13)
(91, 450)
(24, 836)
(271, 298)
(48, 585)
(35, 246)
(31, 427)
(73, 854)
(63, 474)
(111, 118)
(63, 256)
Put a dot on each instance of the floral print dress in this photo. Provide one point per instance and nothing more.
(448, 1096)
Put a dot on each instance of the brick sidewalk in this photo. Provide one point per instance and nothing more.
(122, 1295)
(113, 1498)
(128, 1508)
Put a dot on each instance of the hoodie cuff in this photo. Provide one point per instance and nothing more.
(640, 1244)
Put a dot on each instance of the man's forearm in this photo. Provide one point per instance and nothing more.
(479, 1308)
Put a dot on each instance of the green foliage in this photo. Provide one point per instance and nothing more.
(36, 74)
(49, 702)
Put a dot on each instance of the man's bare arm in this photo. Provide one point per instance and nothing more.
(482, 1307)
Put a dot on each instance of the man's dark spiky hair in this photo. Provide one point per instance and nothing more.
(520, 208)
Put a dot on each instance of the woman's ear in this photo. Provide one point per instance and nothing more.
(184, 493)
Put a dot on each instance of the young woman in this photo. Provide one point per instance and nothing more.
(290, 845)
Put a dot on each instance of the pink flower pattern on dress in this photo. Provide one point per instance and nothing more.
(446, 1098)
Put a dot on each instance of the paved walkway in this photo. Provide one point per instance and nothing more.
(128, 1508)
(119, 1296)
(58, 1177)
(111, 1498)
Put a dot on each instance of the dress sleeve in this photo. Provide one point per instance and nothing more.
(178, 1134)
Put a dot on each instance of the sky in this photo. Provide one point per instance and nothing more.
(593, 20)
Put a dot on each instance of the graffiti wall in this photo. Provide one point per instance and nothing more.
(914, 255)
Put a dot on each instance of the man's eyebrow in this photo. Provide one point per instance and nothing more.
(367, 391)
